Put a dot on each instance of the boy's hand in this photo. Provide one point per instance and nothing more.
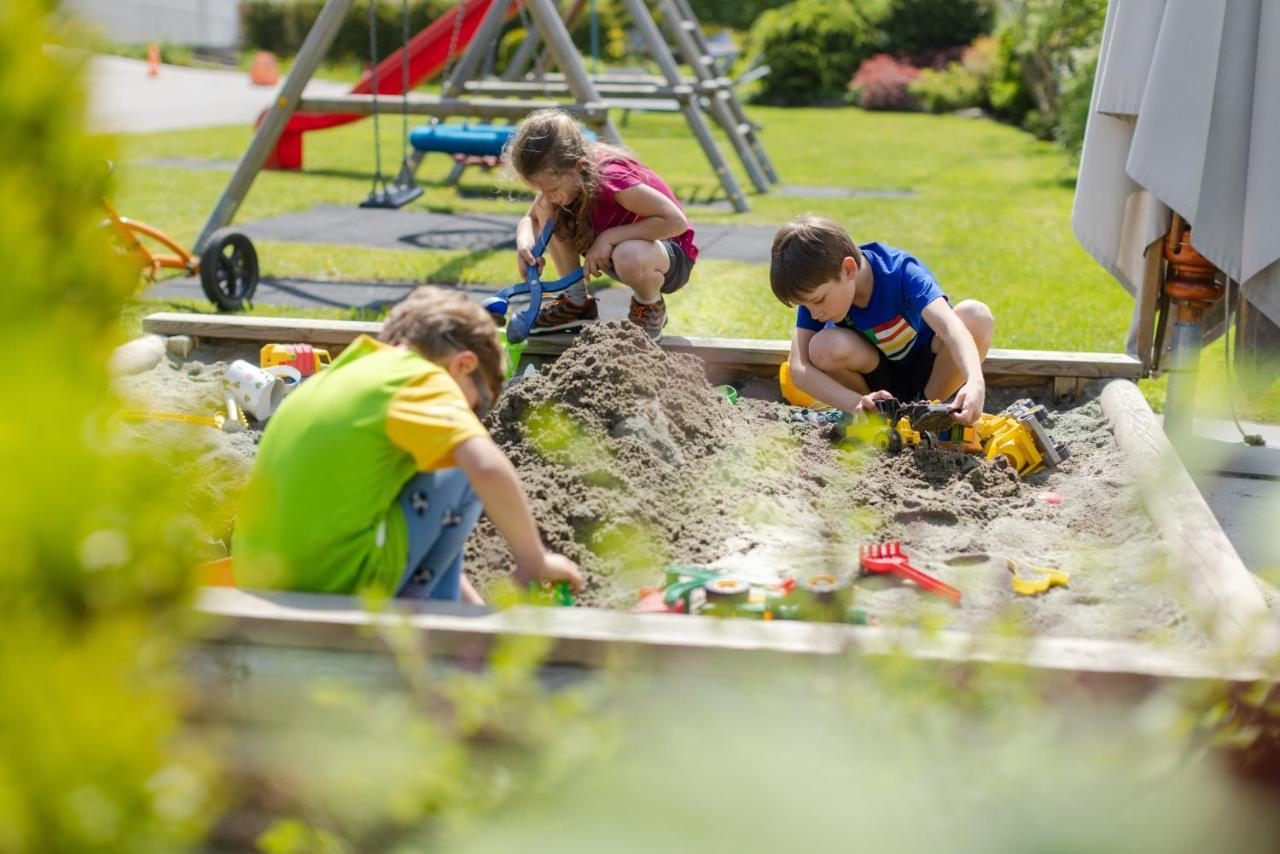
(553, 567)
(597, 259)
(868, 402)
(969, 402)
(524, 256)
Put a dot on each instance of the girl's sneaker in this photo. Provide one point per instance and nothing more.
(651, 318)
(563, 313)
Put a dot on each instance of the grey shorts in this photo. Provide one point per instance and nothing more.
(679, 268)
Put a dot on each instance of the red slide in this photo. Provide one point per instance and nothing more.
(428, 55)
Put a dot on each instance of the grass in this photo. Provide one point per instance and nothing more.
(989, 214)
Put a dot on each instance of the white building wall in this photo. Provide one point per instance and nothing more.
(199, 23)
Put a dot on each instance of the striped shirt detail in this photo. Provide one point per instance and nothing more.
(893, 337)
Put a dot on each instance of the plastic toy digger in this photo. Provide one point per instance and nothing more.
(821, 597)
(1017, 433)
(889, 558)
(498, 304)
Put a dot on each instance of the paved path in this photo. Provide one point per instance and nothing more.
(312, 293)
(123, 99)
(413, 229)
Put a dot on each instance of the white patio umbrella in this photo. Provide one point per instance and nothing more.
(1186, 116)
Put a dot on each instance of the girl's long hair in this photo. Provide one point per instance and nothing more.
(550, 141)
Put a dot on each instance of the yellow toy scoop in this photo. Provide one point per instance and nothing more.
(1031, 580)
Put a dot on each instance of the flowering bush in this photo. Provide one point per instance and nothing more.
(882, 83)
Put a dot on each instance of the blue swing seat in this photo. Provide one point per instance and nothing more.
(473, 140)
(469, 140)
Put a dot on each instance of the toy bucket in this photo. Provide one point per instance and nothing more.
(257, 392)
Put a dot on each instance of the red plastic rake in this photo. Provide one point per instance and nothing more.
(888, 557)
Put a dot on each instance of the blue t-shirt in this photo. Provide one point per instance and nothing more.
(892, 320)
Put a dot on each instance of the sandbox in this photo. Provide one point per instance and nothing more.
(632, 460)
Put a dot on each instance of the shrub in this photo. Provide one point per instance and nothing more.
(914, 27)
(735, 14)
(97, 540)
(955, 88)
(882, 83)
(1045, 47)
(961, 85)
(282, 27)
(1073, 107)
(812, 47)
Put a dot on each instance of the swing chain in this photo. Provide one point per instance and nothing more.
(378, 178)
(404, 78)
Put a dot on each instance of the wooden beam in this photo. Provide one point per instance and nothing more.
(260, 330)
(594, 638)
(489, 108)
(745, 353)
(1221, 587)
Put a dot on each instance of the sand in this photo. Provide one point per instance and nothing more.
(631, 461)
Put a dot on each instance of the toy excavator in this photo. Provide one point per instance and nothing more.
(1017, 433)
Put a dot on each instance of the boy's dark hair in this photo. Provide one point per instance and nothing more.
(807, 252)
(437, 322)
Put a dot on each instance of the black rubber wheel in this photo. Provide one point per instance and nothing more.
(229, 269)
(888, 441)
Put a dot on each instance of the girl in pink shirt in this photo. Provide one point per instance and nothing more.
(610, 211)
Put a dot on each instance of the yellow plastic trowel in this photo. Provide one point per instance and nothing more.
(1030, 580)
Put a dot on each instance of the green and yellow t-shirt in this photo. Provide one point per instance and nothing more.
(319, 511)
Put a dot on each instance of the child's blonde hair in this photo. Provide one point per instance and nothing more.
(437, 323)
(551, 142)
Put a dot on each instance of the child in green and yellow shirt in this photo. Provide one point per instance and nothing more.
(372, 473)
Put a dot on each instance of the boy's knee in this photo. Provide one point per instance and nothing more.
(978, 319)
(829, 350)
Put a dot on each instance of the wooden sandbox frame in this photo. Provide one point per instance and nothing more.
(251, 635)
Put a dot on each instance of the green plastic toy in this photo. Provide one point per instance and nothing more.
(547, 593)
(514, 353)
(729, 392)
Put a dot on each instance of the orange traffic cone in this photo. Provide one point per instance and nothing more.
(264, 71)
(153, 60)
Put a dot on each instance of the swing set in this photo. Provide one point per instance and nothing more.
(461, 38)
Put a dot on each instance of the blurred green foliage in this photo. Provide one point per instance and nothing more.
(281, 27)
(1048, 56)
(915, 27)
(813, 47)
(960, 85)
(97, 541)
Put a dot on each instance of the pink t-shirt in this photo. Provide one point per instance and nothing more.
(618, 175)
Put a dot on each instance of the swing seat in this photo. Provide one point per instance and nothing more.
(472, 140)
(467, 140)
(392, 196)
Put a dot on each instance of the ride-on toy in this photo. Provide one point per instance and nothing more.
(228, 265)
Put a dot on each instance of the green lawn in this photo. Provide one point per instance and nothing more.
(990, 214)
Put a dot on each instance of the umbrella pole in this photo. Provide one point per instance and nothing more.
(1193, 285)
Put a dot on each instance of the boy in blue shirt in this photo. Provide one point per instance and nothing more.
(873, 323)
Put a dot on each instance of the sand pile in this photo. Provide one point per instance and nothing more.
(631, 460)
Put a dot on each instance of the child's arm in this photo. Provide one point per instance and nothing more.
(948, 326)
(527, 234)
(495, 481)
(813, 382)
(468, 593)
(661, 218)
